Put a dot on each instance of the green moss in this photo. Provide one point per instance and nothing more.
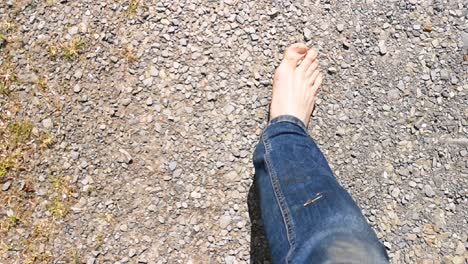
(5, 166)
(58, 208)
(132, 8)
(19, 132)
(4, 89)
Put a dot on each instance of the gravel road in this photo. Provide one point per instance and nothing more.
(128, 126)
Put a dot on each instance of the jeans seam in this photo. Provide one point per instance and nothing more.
(280, 199)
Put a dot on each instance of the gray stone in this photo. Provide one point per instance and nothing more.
(172, 165)
(382, 47)
(428, 191)
(77, 88)
(224, 221)
(6, 186)
(340, 27)
(47, 123)
(307, 34)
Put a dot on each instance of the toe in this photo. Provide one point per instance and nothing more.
(317, 83)
(313, 77)
(308, 60)
(314, 66)
(295, 53)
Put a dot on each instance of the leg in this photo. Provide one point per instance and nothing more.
(308, 216)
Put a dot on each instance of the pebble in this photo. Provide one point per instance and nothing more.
(224, 221)
(6, 186)
(307, 34)
(172, 165)
(428, 191)
(47, 123)
(77, 88)
(228, 109)
(382, 47)
(340, 27)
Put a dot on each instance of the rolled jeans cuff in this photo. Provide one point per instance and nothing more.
(290, 119)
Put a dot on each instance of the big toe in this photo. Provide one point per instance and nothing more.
(295, 53)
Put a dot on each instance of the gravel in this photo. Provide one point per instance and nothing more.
(155, 117)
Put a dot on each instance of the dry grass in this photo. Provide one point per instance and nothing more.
(69, 50)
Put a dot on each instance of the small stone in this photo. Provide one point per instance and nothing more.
(90, 260)
(332, 70)
(216, 40)
(47, 123)
(228, 109)
(411, 237)
(123, 228)
(172, 165)
(458, 260)
(148, 82)
(382, 47)
(149, 101)
(78, 74)
(444, 75)
(195, 195)
(6, 186)
(427, 28)
(230, 260)
(126, 101)
(345, 65)
(460, 250)
(387, 245)
(153, 71)
(224, 221)
(73, 30)
(428, 191)
(125, 157)
(244, 56)
(77, 88)
(83, 164)
(307, 34)
(340, 27)
(131, 252)
(395, 192)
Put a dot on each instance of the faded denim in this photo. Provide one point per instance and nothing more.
(308, 216)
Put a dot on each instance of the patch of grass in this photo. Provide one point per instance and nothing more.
(5, 166)
(129, 55)
(99, 241)
(7, 77)
(4, 89)
(8, 25)
(58, 208)
(14, 220)
(53, 51)
(73, 48)
(3, 37)
(19, 132)
(69, 50)
(132, 8)
(46, 139)
(60, 186)
(42, 82)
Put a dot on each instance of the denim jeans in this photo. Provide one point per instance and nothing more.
(308, 217)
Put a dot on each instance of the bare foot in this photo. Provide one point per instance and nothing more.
(296, 83)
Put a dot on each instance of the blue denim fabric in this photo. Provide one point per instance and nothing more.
(308, 216)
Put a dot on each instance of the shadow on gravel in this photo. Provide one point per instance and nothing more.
(259, 252)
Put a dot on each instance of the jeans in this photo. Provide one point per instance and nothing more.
(308, 217)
